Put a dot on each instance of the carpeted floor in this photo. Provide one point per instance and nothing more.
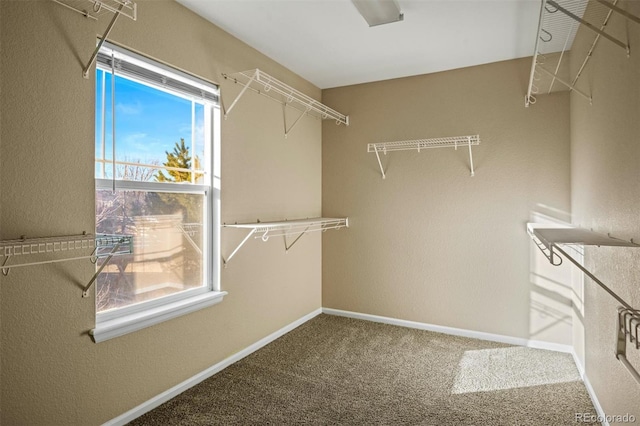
(341, 371)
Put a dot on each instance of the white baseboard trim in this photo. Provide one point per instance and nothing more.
(181, 387)
(537, 344)
(579, 365)
(592, 393)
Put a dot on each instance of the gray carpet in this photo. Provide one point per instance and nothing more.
(340, 371)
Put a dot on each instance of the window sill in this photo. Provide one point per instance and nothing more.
(129, 323)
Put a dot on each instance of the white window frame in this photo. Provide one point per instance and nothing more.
(120, 321)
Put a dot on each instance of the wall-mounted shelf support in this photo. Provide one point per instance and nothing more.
(40, 251)
(287, 228)
(628, 327)
(557, 27)
(567, 84)
(117, 7)
(620, 11)
(284, 119)
(264, 84)
(550, 240)
(593, 28)
(419, 144)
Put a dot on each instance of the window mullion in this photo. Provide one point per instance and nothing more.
(193, 141)
(113, 121)
(130, 185)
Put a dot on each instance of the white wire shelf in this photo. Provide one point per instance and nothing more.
(558, 24)
(264, 84)
(94, 9)
(420, 144)
(286, 228)
(39, 251)
(550, 241)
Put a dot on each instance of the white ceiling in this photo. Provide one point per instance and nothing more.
(328, 43)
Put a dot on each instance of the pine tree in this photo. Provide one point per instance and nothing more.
(190, 206)
(179, 158)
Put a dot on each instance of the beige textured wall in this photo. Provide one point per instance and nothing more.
(1, 95)
(52, 373)
(430, 243)
(605, 184)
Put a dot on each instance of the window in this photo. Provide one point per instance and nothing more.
(157, 157)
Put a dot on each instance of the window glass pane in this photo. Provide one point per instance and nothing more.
(167, 231)
(155, 130)
(149, 122)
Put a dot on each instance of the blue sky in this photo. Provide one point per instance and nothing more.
(148, 121)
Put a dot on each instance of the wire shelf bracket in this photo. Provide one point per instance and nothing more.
(98, 7)
(628, 328)
(286, 229)
(419, 144)
(557, 26)
(260, 82)
(40, 251)
(550, 242)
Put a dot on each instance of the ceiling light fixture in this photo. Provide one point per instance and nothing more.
(378, 12)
